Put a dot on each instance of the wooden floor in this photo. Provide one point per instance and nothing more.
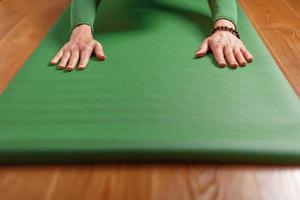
(24, 23)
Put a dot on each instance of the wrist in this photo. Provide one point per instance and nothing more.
(82, 30)
(227, 29)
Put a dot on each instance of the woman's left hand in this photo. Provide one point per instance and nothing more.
(226, 47)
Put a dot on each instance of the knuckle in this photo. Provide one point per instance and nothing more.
(77, 43)
(86, 51)
(89, 49)
(73, 47)
(60, 51)
(84, 46)
(63, 60)
(239, 48)
(236, 50)
(228, 46)
(72, 59)
(217, 44)
(244, 49)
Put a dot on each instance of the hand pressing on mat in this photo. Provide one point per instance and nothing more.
(225, 46)
(78, 50)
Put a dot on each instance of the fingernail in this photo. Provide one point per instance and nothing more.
(222, 64)
(80, 67)
(199, 54)
(69, 69)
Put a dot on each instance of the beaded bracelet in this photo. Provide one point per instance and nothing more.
(226, 28)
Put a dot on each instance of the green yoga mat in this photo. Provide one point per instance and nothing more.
(150, 100)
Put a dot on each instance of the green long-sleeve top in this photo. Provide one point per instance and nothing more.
(84, 11)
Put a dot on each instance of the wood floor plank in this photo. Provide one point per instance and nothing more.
(294, 6)
(16, 11)
(150, 182)
(25, 182)
(19, 41)
(279, 26)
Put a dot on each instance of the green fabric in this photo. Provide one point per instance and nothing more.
(150, 100)
(84, 11)
(224, 9)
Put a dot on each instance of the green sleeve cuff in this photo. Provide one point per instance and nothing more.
(227, 18)
(83, 12)
(224, 9)
(81, 23)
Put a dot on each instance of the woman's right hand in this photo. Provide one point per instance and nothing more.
(78, 50)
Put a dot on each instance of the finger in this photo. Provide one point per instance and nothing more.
(203, 49)
(84, 58)
(230, 57)
(247, 55)
(57, 57)
(239, 57)
(218, 54)
(99, 51)
(73, 60)
(64, 60)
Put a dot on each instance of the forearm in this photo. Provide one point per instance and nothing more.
(225, 10)
(83, 12)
